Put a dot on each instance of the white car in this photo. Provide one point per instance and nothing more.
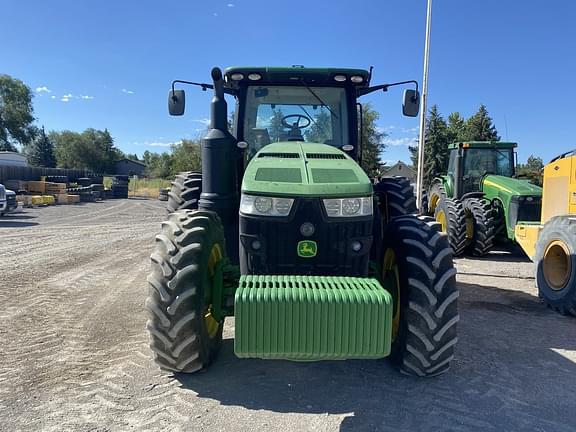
(8, 201)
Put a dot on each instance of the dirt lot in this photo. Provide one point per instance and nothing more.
(74, 355)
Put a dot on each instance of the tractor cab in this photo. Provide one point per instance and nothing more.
(471, 162)
(297, 104)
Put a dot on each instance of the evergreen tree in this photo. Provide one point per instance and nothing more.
(456, 128)
(372, 139)
(276, 129)
(40, 152)
(436, 148)
(320, 130)
(479, 127)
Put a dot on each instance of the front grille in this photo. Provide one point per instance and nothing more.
(530, 211)
(279, 239)
(324, 156)
(2, 193)
(279, 155)
(526, 209)
(11, 199)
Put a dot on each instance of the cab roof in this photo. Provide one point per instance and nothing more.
(292, 76)
(483, 144)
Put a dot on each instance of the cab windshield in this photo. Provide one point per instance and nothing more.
(479, 162)
(294, 113)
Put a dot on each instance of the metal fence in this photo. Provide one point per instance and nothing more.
(34, 173)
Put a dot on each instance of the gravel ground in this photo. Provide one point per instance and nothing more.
(74, 355)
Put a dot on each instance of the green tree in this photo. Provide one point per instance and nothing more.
(16, 113)
(92, 149)
(456, 128)
(436, 147)
(372, 139)
(276, 130)
(159, 165)
(532, 170)
(40, 152)
(320, 130)
(479, 127)
(186, 156)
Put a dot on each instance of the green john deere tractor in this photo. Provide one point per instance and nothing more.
(479, 199)
(285, 232)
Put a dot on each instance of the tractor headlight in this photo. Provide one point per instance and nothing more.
(265, 206)
(348, 207)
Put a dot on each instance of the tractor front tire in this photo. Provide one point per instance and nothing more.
(452, 217)
(436, 194)
(426, 297)
(555, 260)
(185, 192)
(483, 225)
(184, 335)
(396, 197)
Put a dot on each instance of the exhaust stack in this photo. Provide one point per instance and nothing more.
(219, 168)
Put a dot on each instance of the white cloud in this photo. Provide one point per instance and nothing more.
(215, 14)
(204, 121)
(86, 97)
(66, 97)
(127, 91)
(43, 89)
(157, 144)
(52, 97)
(230, 5)
(405, 141)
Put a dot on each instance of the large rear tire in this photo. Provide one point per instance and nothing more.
(184, 335)
(396, 197)
(555, 260)
(417, 256)
(481, 224)
(452, 218)
(185, 192)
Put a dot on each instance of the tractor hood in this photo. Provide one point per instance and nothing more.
(512, 186)
(304, 169)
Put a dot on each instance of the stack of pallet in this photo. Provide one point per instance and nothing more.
(37, 187)
(55, 188)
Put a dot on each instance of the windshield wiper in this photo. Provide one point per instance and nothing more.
(308, 115)
(317, 97)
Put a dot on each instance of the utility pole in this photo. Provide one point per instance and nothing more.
(422, 139)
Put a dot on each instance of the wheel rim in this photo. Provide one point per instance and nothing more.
(434, 202)
(391, 277)
(557, 265)
(214, 258)
(441, 217)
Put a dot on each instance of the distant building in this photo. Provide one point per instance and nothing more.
(13, 159)
(130, 167)
(399, 169)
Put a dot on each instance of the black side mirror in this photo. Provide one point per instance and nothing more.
(176, 102)
(411, 103)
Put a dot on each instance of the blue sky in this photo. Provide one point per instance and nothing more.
(109, 64)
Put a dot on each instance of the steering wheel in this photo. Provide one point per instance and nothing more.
(296, 124)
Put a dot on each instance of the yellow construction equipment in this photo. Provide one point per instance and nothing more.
(551, 244)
